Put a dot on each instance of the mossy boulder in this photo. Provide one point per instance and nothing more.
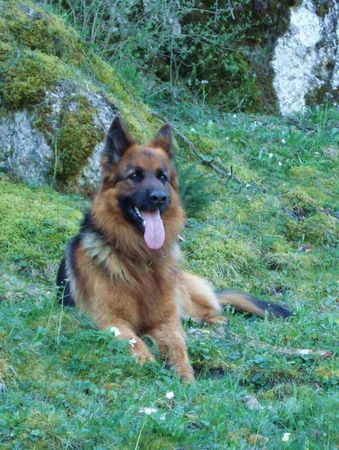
(57, 100)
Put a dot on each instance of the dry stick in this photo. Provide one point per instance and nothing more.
(221, 171)
(284, 350)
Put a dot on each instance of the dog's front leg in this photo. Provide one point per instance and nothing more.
(170, 338)
(124, 331)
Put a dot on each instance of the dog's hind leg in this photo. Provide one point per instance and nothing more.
(198, 300)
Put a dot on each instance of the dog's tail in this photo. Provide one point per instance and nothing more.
(252, 305)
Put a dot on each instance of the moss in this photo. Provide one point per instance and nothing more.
(5, 50)
(27, 75)
(37, 53)
(31, 26)
(300, 202)
(34, 226)
(133, 110)
(318, 229)
(323, 7)
(304, 173)
(76, 139)
(231, 258)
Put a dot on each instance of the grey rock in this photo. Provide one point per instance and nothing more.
(25, 150)
(306, 57)
(252, 403)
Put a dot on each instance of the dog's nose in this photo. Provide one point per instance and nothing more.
(158, 198)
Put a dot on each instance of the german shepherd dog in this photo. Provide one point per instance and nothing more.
(123, 268)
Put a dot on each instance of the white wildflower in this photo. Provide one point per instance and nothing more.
(279, 163)
(132, 342)
(162, 417)
(170, 395)
(113, 330)
(270, 155)
(192, 129)
(147, 410)
(204, 81)
(286, 437)
(283, 141)
(234, 116)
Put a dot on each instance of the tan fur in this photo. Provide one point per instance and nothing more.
(241, 302)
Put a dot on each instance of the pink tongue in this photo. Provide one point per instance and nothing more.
(154, 230)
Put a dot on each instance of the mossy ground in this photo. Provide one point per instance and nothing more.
(271, 233)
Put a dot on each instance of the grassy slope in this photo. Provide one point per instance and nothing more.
(70, 386)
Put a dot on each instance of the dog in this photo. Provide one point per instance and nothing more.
(124, 266)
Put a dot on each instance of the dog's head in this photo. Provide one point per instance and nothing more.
(140, 184)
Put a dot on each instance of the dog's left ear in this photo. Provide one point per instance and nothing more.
(163, 139)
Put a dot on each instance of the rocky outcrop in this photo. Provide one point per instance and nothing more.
(306, 57)
(29, 139)
(57, 99)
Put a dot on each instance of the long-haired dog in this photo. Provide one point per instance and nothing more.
(124, 266)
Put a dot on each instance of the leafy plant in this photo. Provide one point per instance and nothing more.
(197, 188)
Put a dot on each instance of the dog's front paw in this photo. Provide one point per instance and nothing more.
(216, 320)
(186, 374)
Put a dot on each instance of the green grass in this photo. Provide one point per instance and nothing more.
(273, 234)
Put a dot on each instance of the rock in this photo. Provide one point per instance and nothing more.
(28, 138)
(24, 151)
(305, 61)
(252, 403)
(257, 439)
(3, 387)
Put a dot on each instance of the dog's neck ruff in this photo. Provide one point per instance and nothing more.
(109, 257)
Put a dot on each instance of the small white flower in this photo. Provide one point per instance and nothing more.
(204, 81)
(170, 395)
(286, 437)
(132, 342)
(192, 129)
(227, 138)
(248, 185)
(114, 330)
(147, 410)
(234, 116)
(283, 141)
(270, 155)
(162, 417)
(279, 163)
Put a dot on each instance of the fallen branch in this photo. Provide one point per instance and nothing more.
(222, 171)
(285, 350)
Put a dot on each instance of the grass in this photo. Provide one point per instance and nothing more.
(273, 233)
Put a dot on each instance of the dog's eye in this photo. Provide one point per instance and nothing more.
(136, 176)
(162, 176)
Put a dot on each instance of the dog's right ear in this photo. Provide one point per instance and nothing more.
(118, 140)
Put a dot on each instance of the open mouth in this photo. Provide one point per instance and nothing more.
(151, 224)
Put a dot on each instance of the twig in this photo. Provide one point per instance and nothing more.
(231, 8)
(285, 350)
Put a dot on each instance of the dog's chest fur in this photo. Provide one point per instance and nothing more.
(142, 290)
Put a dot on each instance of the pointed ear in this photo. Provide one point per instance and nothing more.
(164, 139)
(117, 142)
